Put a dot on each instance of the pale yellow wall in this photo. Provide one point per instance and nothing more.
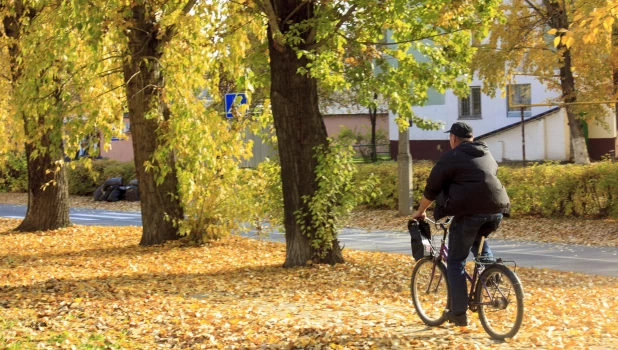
(597, 131)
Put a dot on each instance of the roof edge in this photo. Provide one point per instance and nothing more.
(514, 125)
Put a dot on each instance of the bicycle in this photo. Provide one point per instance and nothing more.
(495, 293)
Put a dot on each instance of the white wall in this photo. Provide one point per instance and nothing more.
(494, 112)
(546, 139)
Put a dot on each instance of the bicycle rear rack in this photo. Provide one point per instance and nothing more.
(492, 260)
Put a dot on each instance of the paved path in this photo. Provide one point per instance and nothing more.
(83, 216)
(565, 257)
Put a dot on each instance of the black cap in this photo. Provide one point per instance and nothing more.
(461, 129)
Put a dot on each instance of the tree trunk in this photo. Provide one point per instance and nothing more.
(48, 189)
(558, 19)
(48, 185)
(373, 115)
(144, 82)
(567, 82)
(300, 128)
(614, 65)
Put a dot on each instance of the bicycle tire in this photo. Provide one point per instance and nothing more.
(495, 299)
(430, 301)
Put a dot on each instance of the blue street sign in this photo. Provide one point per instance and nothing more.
(234, 100)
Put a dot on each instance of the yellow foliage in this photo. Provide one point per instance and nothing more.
(520, 45)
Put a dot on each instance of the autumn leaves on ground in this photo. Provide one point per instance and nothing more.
(94, 287)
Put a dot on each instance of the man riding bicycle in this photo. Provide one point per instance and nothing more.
(464, 184)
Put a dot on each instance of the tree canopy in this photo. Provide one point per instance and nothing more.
(170, 61)
(565, 45)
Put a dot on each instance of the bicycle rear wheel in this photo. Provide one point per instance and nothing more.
(500, 300)
(429, 289)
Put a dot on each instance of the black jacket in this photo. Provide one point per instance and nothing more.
(465, 178)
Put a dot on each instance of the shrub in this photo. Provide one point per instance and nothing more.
(548, 190)
(361, 140)
(386, 173)
(14, 175)
(563, 190)
(126, 170)
(81, 180)
(84, 182)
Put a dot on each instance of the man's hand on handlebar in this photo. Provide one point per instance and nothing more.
(420, 215)
(422, 206)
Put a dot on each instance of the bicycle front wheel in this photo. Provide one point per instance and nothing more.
(500, 300)
(429, 289)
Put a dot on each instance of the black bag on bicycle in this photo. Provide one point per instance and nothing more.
(420, 233)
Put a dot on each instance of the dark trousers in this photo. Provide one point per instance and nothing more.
(465, 234)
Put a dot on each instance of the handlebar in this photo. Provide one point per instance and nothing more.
(444, 224)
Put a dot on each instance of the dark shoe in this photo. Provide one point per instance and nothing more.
(458, 320)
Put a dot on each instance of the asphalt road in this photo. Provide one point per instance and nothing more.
(82, 216)
(564, 257)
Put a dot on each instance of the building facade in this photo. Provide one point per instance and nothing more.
(546, 132)
(335, 119)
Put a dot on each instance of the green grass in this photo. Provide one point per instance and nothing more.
(96, 341)
(381, 158)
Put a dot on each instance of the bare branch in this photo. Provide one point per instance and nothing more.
(404, 41)
(188, 6)
(538, 10)
(133, 76)
(516, 47)
(170, 31)
(232, 30)
(110, 72)
(303, 3)
(267, 6)
(110, 90)
(311, 45)
(151, 86)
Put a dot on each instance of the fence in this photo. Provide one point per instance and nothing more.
(383, 152)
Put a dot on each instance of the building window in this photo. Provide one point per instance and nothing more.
(519, 95)
(470, 107)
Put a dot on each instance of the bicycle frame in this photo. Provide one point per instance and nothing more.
(443, 255)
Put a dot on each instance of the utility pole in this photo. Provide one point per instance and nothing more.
(523, 137)
(404, 167)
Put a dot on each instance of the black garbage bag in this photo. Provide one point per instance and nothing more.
(131, 193)
(98, 192)
(420, 233)
(116, 194)
(106, 193)
(114, 181)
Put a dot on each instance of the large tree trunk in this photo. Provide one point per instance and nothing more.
(567, 82)
(300, 128)
(558, 19)
(144, 83)
(48, 185)
(48, 188)
(614, 65)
